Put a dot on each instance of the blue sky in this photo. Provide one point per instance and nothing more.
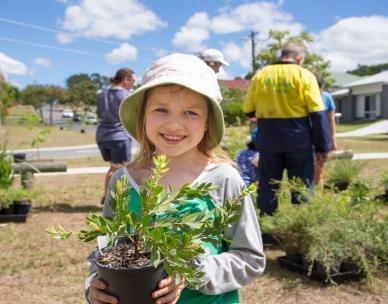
(46, 41)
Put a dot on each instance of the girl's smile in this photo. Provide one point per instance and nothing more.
(175, 119)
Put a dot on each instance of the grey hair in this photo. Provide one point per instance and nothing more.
(292, 49)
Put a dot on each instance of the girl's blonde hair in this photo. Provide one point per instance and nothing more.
(146, 150)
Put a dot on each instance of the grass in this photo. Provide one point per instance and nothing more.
(34, 268)
(365, 144)
(19, 137)
(346, 127)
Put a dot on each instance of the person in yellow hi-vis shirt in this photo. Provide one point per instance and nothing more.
(292, 124)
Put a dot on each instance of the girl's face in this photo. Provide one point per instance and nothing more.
(175, 120)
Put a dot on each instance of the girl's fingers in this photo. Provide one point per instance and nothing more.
(97, 294)
(168, 291)
(172, 296)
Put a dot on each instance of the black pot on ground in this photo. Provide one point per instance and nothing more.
(22, 207)
(9, 210)
(348, 271)
(132, 286)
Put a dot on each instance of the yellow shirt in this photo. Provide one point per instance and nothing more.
(283, 91)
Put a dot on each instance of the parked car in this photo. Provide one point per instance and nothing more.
(76, 117)
(67, 113)
(91, 119)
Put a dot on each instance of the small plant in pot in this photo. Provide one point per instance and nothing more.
(155, 231)
(332, 233)
(343, 172)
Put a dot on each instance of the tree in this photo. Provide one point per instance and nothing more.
(367, 70)
(8, 95)
(39, 95)
(102, 82)
(312, 62)
(82, 89)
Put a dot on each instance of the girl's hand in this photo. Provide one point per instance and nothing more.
(168, 292)
(97, 294)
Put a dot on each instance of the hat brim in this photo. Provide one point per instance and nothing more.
(129, 108)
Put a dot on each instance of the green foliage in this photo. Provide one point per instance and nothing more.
(6, 171)
(368, 70)
(160, 228)
(32, 122)
(82, 89)
(343, 173)
(235, 139)
(384, 180)
(12, 194)
(8, 95)
(330, 229)
(233, 112)
(40, 95)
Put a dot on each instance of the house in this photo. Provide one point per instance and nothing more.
(241, 84)
(363, 99)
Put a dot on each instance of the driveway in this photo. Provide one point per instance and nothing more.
(380, 127)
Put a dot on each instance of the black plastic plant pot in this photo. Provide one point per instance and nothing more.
(132, 286)
(348, 272)
(22, 207)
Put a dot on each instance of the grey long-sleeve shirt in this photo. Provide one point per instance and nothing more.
(245, 259)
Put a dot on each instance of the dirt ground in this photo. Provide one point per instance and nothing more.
(34, 268)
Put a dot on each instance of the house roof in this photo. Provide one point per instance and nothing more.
(381, 77)
(341, 79)
(241, 84)
(340, 92)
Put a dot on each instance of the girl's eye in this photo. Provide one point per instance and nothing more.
(160, 110)
(191, 113)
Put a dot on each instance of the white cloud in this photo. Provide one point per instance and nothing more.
(256, 16)
(43, 62)
(121, 54)
(64, 38)
(353, 41)
(191, 35)
(118, 19)
(10, 65)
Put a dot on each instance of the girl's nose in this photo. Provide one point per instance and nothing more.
(173, 123)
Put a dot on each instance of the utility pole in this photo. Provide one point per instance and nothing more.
(252, 37)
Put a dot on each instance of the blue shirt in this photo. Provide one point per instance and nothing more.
(109, 125)
(245, 167)
(328, 102)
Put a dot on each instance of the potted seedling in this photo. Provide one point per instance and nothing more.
(161, 236)
(333, 237)
(343, 172)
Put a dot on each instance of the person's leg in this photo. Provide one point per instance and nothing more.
(120, 152)
(300, 164)
(318, 174)
(271, 166)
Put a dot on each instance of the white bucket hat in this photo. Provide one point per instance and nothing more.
(213, 55)
(186, 70)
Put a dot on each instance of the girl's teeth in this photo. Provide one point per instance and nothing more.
(173, 137)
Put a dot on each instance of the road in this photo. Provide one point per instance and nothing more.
(66, 152)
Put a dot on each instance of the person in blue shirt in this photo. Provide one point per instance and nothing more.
(247, 161)
(112, 139)
(329, 106)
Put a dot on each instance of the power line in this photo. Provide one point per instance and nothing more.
(46, 46)
(46, 29)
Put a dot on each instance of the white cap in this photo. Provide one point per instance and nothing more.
(213, 55)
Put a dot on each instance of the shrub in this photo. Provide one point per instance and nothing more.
(233, 112)
(332, 228)
(343, 173)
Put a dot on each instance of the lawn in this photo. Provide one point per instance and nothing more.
(19, 137)
(37, 269)
(346, 127)
(365, 144)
